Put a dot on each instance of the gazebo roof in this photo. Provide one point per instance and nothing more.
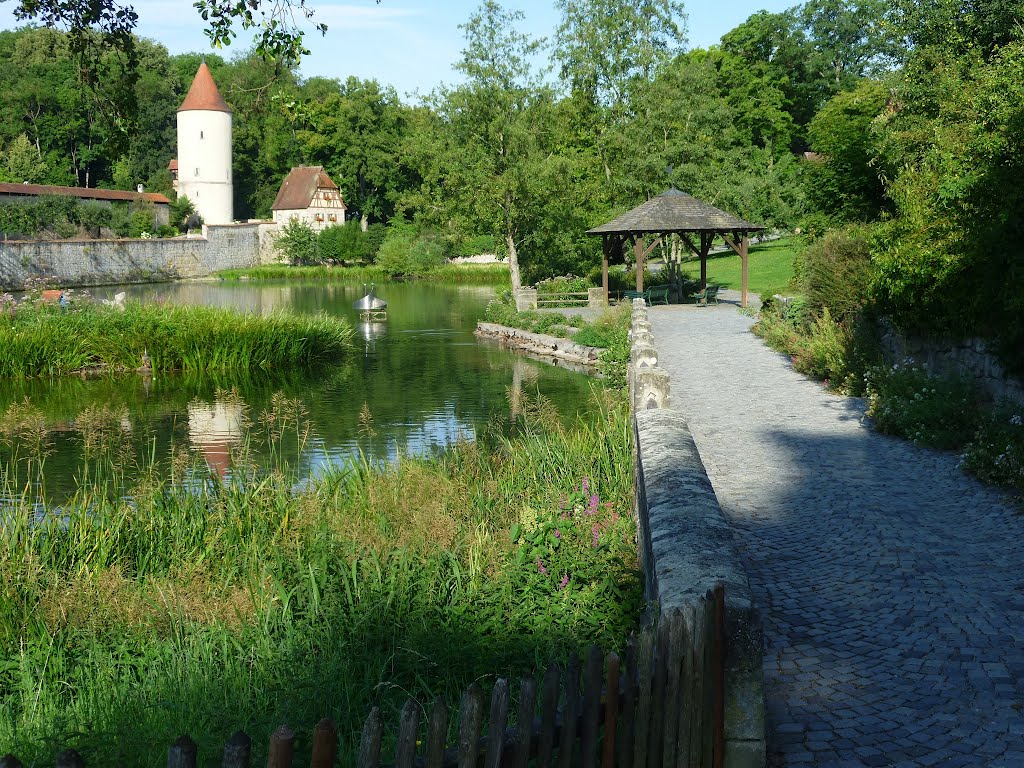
(674, 211)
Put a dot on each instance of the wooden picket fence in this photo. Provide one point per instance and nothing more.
(664, 708)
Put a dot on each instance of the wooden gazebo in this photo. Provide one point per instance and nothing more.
(674, 212)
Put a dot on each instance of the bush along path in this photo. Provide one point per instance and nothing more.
(887, 577)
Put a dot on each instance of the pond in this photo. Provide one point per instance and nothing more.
(416, 382)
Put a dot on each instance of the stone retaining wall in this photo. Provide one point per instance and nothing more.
(687, 546)
(969, 358)
(539, 344)
(99, 262)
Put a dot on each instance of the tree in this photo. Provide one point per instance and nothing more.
(20, 162)
(483, 160)
(846, 180)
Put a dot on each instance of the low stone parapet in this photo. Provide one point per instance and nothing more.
(687, 545)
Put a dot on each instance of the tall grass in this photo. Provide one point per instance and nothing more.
(470, 274)
(46, 340)
(131, 615)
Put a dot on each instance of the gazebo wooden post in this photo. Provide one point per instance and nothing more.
(705, 247)
(606, 246)
(744, 249)
(638, 249)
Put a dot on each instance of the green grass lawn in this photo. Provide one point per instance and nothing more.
(770, 267)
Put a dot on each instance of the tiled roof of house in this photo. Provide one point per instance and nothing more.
(674, 211)
(86, 193)
(299, 187)
(204, 94)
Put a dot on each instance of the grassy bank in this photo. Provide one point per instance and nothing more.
(469, 274)
(770, 268)
(125, 623)
(609, 331)
(40, 339)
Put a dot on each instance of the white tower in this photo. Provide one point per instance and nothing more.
(204, 150)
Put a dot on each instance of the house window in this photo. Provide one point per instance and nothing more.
(332, 217)
(319, 217)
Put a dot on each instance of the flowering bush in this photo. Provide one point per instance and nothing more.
(996, 454)
(906, 400)
(581, 555)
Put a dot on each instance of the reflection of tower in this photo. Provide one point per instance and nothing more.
(213, 429)
(371, 332)
(204, 150)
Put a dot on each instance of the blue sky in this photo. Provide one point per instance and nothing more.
(410, 44)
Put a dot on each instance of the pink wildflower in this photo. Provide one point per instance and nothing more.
(558, 534)
(597, 538)
(564, 582)
(594, 501)
(586, 485)
(540, 567)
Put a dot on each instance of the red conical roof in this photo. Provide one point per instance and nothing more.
(204, 94)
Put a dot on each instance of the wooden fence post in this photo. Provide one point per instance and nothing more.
(282, 748)
(524, 724)
(470, 717)
(325, 744)
(237, 751)
(611, 712)
(672, 696)
(369, 746)
(548, 713)
(570, 710)
(687, 697)
(496, 729)
(437, 734)
(629, 693)
(656, 740)
(182, 754)
(408, 728)
(642, 721)
(591, 709)
(718, 664)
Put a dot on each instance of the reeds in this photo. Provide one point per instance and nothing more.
(50, 341)
(127, 618)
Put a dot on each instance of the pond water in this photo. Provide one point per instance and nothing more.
(415, 382)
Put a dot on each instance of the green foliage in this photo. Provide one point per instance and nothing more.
(297, 242)
(376, 233)
(996, 453)
(42, 339)
(476, 245)
(406, 253)
(182, 212)
(906, 400)
(845, 181)
(403, 580)
(834, 272)
(343, 243)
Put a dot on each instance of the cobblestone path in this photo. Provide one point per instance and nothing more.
(891, 584)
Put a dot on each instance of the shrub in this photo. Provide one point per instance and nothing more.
(996, 454)
(906, 400)
(297, 242)
(343, 242)
(476, 245)
(405, 253)
(182, 211)
(375, 235)
(835, 272)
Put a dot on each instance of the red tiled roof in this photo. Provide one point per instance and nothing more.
(86, 193)
(300, 185)
(204, 94)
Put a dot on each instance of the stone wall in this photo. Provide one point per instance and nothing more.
(104, 262)
(686, 544)
(539, 344)
(969, 358)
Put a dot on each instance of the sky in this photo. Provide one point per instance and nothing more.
(409, 44)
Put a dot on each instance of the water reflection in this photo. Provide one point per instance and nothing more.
(421, 375)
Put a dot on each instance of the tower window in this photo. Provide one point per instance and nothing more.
(197, 172)
(200, 134)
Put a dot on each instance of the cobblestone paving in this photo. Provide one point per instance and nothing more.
(891, 584)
